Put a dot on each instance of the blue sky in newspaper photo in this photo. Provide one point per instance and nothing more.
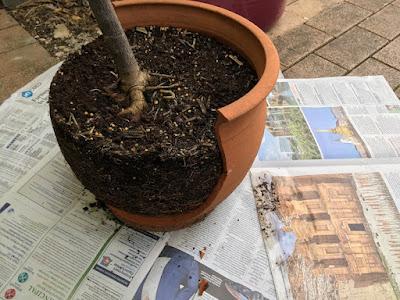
(335, 135)
(271, 148)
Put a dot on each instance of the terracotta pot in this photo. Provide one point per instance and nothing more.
(263, 13)
(240, 125)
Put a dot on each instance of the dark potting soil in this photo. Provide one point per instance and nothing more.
(169, 161)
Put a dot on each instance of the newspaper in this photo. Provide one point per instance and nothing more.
(338, 120)
(327, 189)
(26, 135)
(56, 244)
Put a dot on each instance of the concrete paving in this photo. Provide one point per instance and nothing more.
(21, 56)
(340, 37)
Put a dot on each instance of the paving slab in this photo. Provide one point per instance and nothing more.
(13, 38)
(287, 22)
(298, 12)
(298, 43)
(5, 20)
(352, 47)
(372, 5)
(390, 54)
(313, 66)
(348, 14)
(386, 22)
(20, 66)
(374, 67)
(8, 85)
(310, 8)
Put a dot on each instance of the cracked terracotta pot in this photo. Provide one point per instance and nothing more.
(240, 125)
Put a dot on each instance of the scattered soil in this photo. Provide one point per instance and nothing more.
(202, 252)
(169, 161)
(203, 285)
(266, 196)
(267, 201)
(41, 18)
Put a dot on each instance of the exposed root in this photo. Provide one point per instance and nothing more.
(168, 94)
(136, 88)
(138, 101)
(161, 86)
(161, 75)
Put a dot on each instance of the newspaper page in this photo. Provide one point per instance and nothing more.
(56, 244)
(225, 250)
(26, 135)
(331, 120)
(331, 232)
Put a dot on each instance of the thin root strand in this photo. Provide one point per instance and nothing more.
(160, 86)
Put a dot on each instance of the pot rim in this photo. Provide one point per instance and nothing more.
(269, 75)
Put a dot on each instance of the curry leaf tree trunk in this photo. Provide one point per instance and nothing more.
(132, 79)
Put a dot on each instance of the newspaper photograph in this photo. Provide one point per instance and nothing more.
(178, 275)
(331, 119)
(331, 233)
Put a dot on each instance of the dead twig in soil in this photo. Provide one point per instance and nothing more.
(141, 30)
(160, 86)
(89, 132)
(166, 113)
(29, 12)
(201, 105)
(235, 59)
(186, 108)
(192, 119)
(207, 144)
(184, 42)
(72, 119)
(168, 94)
(155, 115)
(33, 3)
(161, 75)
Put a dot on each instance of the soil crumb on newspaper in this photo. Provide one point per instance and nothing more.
(267, 200)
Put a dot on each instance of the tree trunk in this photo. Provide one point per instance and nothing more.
(132, 79)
